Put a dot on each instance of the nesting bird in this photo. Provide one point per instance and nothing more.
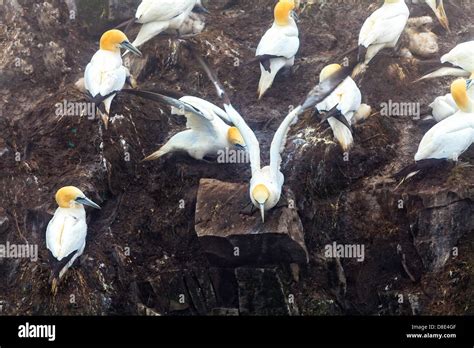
(343, 103)
(278, 47)
(381, 30)
(105, 75)
(207, 132)
(159, 16)
(448, 139)
(458, 62)
(67, 230)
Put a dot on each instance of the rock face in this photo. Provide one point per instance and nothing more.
(230, 236)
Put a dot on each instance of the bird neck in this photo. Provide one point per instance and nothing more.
(392, 1)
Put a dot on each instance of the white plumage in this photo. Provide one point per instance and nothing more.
(348, 99)
(461, 56)
(66, 233)
(281, 42)
(452, 136)
(443, 107)
(383, 29)
(448, 139)
(67, 230)
(158, 16)
(105, 74)
(267, 182)
(207, 134)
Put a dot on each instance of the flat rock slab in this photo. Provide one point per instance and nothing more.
(233, 235)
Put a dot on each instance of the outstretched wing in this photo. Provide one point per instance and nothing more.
(252, 144)
(279, 140)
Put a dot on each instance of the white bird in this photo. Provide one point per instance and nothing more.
(381, 30)
(345, 101)
(66, 232)
(443, 107)
(279, 45)
(458, 62)
(159, 16)
(448, 139)
(207, 132)
(438, 8)
(105, 75)
(266, 182)
(451, 137)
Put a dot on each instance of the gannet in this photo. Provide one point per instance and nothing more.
(443, 107)
(381, 30)
(345, 101)
(448, 139)
(438, 8)
(266, 183)
(67, 230)
(458, 62)
(207, 131)
(159, 16)
(279, 45)
(105, 75)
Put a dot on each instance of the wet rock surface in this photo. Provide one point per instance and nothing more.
(142, 248)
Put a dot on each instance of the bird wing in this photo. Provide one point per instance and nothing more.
(251, 141)
(211, 109)
(461, 56)
(452, 135)
(99, 81)
(383, 26)
(278, 43)
(279, 141)
(65, 234)
(163, 10)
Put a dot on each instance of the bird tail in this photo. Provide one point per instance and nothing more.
(360, 69)
(268, 75)
(165, 149)
(444, 71)
(420, 167)
(342, 134)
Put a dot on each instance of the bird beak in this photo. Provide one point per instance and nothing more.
(87, 201)
(262, 211)
(128, 46)
(241, 147)
(469, 83)
(442, 17)
(295, 16)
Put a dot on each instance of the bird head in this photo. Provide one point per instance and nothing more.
(261, 194)
(438, 8)
(70, 196)
(460, 96)
(235, 137)
(328, 71)
(283, 11)
(113, 40)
